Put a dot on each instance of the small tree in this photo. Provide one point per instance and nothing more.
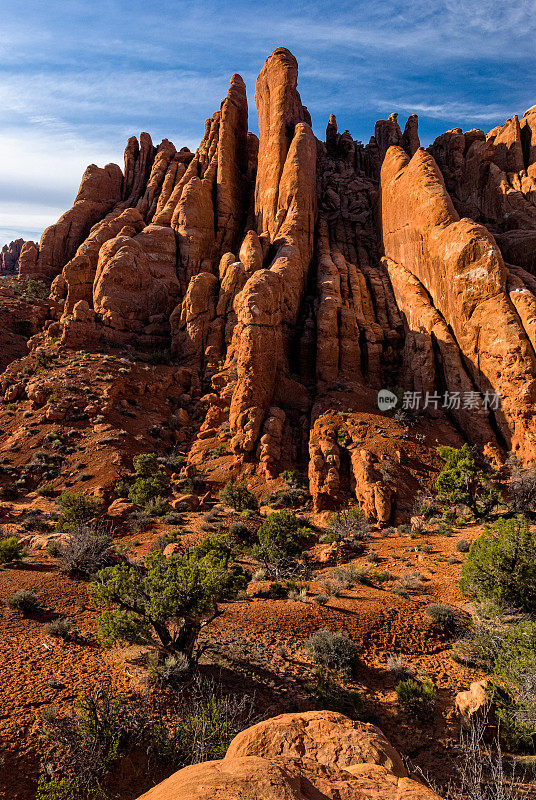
(501, 566)
(281, 535)
(151, 480)
(170, 600)
(467, 480)
(238, 496)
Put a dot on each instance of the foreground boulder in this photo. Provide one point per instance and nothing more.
(316, 755)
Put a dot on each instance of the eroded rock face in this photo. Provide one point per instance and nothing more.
(294, 278)
(318, 755)
(461, 268)
(9, 257)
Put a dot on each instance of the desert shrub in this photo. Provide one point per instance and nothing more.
(218, 451)
(281, 535)
(332, 650)
(171, 672)
(105, 727)
(122, 487)
(463, 546)
(412, 581)
(239, 530)
(290, 476)
(424, 505)
(400, 668)
(466, 480)
(415, 697)
(88, 548)
(514, 672)
(102, 728)
(480, 770)
(174, 462)
(238, 496)
(173, 518)
(53, 548)
(43, 360)
(321, 599)
(37, 288)
(59, 628)
(481, 641)
(287, 498)
(46, 490)
(10, 550)
(350, 524)
(185, 487)
(76, 509)
(372, 557)
(330, 695)
(501, 566)
(157, 507)
(159, 357)
(151, 480)
(445, 617)
(140, 521)
(349, 576)
(24, 601)
(205, 724)
(522, 488)
(169, 601)
(343, 438)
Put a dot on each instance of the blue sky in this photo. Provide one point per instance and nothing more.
(78, 78)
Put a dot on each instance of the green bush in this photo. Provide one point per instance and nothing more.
(514, 674)
(75, 509)
(43, 360)
(281, 535)
(332, 650)
(415, 697)
(169, 602)
(238, 496)
(10, 550)
(467, 481)
(501, 566)
(151, 480)
(24, 601)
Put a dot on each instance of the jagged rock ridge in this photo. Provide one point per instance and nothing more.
(293, 278)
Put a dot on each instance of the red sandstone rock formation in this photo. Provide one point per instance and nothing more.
(291, 283)
(317, 755)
